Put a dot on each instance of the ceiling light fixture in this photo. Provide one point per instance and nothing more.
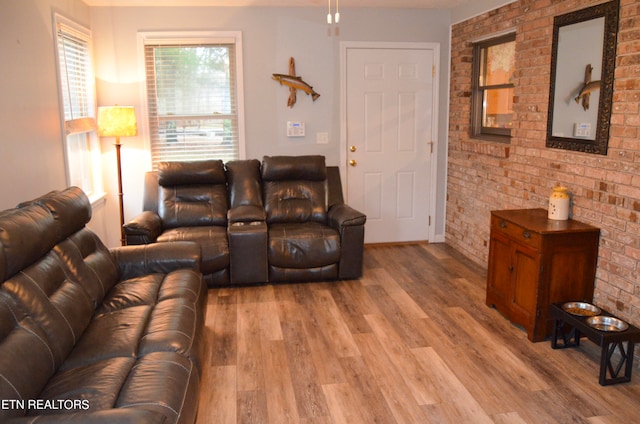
(335, 17)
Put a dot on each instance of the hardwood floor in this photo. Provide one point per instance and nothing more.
(410, 342)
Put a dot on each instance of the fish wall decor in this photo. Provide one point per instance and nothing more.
(587, 88)
(294, 83)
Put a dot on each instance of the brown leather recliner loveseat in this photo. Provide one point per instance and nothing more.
(282, 220)
(93, 335)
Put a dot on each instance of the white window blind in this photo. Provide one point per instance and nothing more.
(77, 104)
(192, 101)
(76, 76)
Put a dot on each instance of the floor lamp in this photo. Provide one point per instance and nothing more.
(118, 121)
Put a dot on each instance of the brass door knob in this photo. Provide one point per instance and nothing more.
(353, 148)
(353, 162)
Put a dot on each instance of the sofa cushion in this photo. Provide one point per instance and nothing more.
(70, 208)
(172, 327)
(135, 291)
(176, 304)
(191, 173)
(89, 262)
(193, 205)
(58, 304)
(308, 168)
(192, 193)
(18, 230)
(165, 382)
(294, 189)
(26, 360)
(111, 335)
(148, 330)
(97, 382)
(295, 275)
(213, 244)
(245, 188)
(294, 201)
(308, 245)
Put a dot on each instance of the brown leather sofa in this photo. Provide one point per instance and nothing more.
(93, 335)
(281, 220)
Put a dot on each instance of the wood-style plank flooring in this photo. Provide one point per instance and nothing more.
(410, 342)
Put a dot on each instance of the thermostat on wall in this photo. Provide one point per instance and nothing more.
(295, 129)
(582, 129)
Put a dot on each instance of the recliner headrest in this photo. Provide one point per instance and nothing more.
(71, 209)
(187, 173)
(26, 234)
(310, 168)
(34, 227)
(245, 186)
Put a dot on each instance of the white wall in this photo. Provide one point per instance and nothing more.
(475, 8)
(270, 37)
(31, 146)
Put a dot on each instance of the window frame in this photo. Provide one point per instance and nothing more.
(81, 144)
(147, 38)
(478, 91)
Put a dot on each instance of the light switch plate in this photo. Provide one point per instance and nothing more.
(322, 138)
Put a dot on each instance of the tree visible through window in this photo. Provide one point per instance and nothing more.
(192, 94)
(493, 65)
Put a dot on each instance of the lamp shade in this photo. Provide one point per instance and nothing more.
(117, 121)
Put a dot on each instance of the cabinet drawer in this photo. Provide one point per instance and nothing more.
(516, 232)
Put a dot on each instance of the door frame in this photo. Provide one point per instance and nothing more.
(345, 46)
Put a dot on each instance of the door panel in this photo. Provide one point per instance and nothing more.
(389, 104)
(406, 188)
(373, 186)
(373, 122)
(525, 289)
(499, 273)
(407, 122)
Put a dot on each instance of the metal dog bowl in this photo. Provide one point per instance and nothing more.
(582, 309)
(604, 323)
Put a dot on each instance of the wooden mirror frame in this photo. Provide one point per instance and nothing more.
(599, 143)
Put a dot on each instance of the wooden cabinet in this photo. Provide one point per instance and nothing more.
(535, 261)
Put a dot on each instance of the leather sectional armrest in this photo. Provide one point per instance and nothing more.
(350, 223)
(341, 215)
(157, 258)
(143, 229)
(246, 214)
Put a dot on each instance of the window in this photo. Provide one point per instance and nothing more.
(492, 107)
(78, 105)
(194, 97)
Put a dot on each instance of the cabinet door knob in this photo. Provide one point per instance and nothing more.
(502, 224)
(526, 234)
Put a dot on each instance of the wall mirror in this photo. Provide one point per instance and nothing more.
(582, 71)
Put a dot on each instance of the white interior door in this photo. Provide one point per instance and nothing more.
(389, 96)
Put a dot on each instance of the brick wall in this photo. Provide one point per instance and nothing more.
(483, 176)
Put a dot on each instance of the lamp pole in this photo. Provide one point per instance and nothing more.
(118, 121)
(120, 194)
